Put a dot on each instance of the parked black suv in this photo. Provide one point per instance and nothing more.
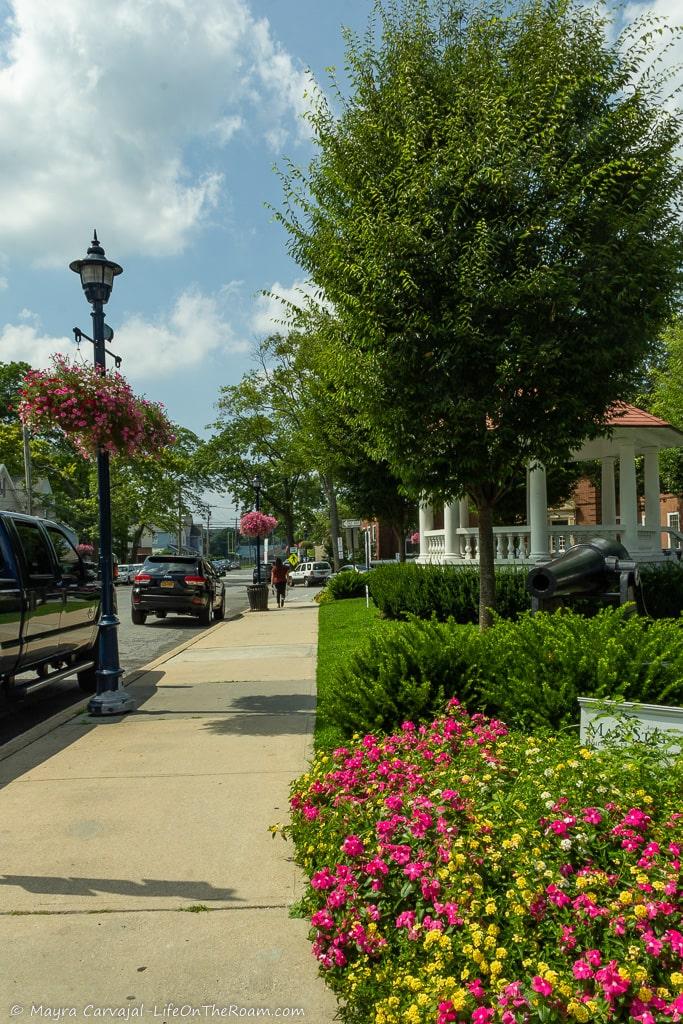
(49, 606)
(181, 584)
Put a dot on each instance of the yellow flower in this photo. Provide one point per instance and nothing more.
(645, 994)
(625, 897)
(677, 979)
(640, 911)
(413, 1015)
(578, 1011)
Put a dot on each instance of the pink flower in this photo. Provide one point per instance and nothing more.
(481, 1015)
(541, 986)
(352, 846)
(256, 524)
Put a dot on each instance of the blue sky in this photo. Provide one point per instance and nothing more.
(158, 122)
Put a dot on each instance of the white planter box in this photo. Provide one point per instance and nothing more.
(645, 719)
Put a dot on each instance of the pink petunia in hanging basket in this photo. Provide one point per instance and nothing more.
(257, 524)
(86, 550)
(415, 538)
(93, 409)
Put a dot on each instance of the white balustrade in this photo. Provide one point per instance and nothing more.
(512, 544)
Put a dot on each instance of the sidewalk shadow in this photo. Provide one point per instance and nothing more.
(55, 885)
(71, 731)
(277, 714)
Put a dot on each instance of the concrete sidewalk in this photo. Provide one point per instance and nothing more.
(137, 871)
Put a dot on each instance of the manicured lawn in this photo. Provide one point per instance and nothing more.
(342, 628)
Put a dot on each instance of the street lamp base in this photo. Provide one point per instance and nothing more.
(111, 702)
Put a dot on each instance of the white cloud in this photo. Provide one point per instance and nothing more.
(270, 314)
(189, 335)
(120, 123)
(4, 283)
(193, 331)
(25, 342)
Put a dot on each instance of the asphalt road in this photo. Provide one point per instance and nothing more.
(138, 645)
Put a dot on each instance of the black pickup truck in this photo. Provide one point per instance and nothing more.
(49, 607)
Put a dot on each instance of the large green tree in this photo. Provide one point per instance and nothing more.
(494, 213)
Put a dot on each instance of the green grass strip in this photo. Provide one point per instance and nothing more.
(342, 629)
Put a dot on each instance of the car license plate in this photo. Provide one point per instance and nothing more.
(167, 583)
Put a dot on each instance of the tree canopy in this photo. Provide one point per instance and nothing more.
(494, 213)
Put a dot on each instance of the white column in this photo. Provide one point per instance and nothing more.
(652, 514)
(608, 496)
(464, 513)
(451, 522)
(426, 523)
(628, 498)
(538, 512)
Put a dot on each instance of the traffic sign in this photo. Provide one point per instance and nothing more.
(350, 524)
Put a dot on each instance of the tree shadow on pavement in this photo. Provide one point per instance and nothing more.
(272, 715)
(55, 885)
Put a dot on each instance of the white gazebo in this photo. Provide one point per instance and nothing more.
(633, 433)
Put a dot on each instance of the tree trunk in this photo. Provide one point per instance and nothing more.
(487, 569)
(331, 495)
(135, 543)
(288, 520)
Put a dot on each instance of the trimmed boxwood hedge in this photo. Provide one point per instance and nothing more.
(529, 673)
(452, 591)
(444, 591)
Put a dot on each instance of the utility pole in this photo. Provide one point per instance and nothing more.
(208, 531)
(180, 519)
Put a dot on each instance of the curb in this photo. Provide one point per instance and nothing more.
(13, 746)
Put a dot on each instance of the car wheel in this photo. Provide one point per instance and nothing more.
(219, 613)
(307, 582)
(205, 616)
(138, 617)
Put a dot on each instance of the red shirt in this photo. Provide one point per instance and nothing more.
(279, 574)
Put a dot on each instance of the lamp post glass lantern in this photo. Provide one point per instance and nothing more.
(97, 275)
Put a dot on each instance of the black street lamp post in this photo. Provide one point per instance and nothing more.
(97, 278)
(257, 491)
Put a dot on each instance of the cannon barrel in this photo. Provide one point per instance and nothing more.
(581, 570)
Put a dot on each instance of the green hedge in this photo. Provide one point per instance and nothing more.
(347, 584)
(661, 592)
(446, 591)
(452, 591)
(529, 673)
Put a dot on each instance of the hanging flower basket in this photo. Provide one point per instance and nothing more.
(86, 550)
(415, 538)
(256, 524)
(93, 409)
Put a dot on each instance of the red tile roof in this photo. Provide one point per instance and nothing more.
(623, 415)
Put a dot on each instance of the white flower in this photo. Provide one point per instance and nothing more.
(566, 844)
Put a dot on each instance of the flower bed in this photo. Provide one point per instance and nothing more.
(93, 409)
(459, 873)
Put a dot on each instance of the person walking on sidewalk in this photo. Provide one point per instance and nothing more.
(279, 580)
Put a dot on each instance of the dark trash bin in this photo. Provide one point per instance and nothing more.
(258, 597)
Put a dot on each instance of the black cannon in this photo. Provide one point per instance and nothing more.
(600, 569)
